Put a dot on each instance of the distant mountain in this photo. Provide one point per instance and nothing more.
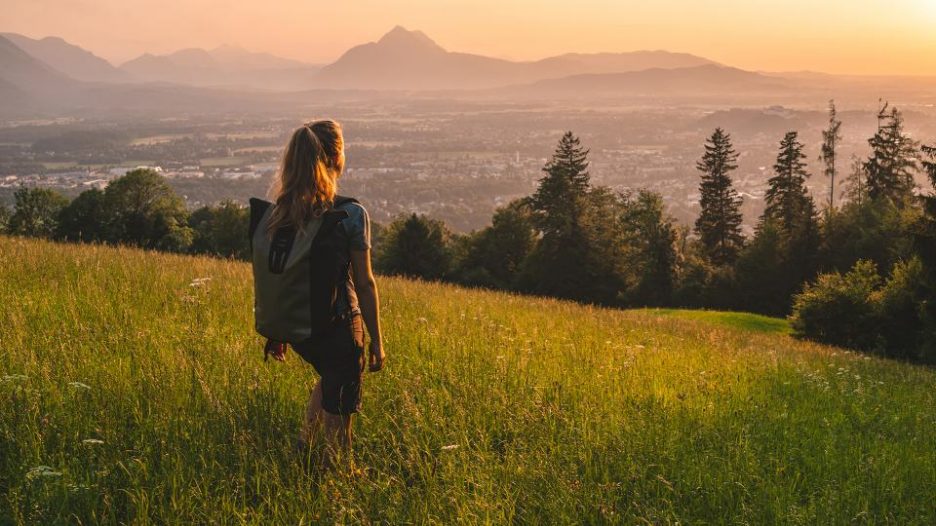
(223, 66)
(12, 98)
(410, 60)
(404, 59)
(240, 58)
(707, 80)
(27, 84)
(69, 59)
(586, 63)
(27, 72)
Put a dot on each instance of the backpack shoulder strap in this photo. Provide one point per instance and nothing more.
(343, 200)
(258, 207)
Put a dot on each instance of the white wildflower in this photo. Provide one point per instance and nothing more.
(43, 471)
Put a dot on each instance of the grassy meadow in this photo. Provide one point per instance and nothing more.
(133, 391)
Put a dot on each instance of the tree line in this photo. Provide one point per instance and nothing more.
(138, 209)
(860, 273)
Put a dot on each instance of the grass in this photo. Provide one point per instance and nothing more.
(737, 320)
(131, 396)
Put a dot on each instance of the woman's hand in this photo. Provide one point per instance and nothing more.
(275, 349)
(377, 356)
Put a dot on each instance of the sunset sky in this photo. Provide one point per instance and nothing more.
(836, 36)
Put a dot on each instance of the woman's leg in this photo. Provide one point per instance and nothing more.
(314, 416)
(337, 440)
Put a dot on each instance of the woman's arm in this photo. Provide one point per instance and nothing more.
(366, 287)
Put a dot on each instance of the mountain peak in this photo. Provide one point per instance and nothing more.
(400, 36)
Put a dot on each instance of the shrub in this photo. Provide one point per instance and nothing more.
(903, 300)
(841, 309)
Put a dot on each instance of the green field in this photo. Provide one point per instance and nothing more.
(224, 162)
(132, 395)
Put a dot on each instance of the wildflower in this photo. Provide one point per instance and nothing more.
(79, 385)
(43, 471)
(198, 282)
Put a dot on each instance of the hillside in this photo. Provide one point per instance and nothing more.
(705, 80)
(139, 394)
(73, 61)
(223, 66)
(410, 60)
(27, 73)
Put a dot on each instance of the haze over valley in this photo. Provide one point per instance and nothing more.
(429, 130)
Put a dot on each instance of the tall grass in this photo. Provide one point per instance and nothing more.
(133, 391)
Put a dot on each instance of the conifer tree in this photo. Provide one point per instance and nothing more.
(830, 139)
(787, 199)
(561, 190)
(719, 223)
(856, 189)
(926, 234)
(893, 159)
(783, 252)
(559, 264)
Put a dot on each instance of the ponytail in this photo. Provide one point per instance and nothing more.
(306, 183)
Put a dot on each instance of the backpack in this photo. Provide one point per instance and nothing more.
(297, 275)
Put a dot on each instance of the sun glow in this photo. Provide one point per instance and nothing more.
(927, 7)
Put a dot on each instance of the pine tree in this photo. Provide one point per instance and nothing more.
(559, 265)
(719, 223)
(562, 188)
(929, 166)
(830, 139)
(787, 200)
(856, 189)
(926, 234)
(783, 253)
(893, 159)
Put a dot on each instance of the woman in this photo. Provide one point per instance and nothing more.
(306, 189)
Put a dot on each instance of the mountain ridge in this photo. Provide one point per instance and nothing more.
(71, 60)
(406, 60)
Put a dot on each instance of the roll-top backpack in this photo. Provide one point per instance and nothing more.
(297, 274)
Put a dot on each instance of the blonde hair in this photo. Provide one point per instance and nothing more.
(307, 180)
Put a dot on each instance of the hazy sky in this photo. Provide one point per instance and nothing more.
(839, 36)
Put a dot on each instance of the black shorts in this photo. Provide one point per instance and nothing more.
(338, 356)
